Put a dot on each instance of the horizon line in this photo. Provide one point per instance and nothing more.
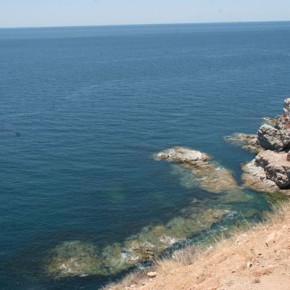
(143, 24)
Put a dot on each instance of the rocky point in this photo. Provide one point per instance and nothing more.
(269, 171)
(208, 174)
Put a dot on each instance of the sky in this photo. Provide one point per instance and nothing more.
(39, 13)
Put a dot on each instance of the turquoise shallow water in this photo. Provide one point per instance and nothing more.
(82, 110)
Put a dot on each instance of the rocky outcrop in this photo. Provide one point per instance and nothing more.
(254, 177)
(269, 120)
(283, 121)
(183, 155)
(276, 135)
(276, 167)
(270, 170)
(271, 138)
(246, 141)
(208, 175)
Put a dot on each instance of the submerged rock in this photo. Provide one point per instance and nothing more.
(183, 227)
(269, 120)
(73, 258)
(80, 259)
(207, 174)
(246, 141)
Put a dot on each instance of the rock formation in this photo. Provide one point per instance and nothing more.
(78, 258)
(276, 136)
(266, 173)
(271, 138)
(270, 170)
(246, 141)
(183, 155)
(208, 175)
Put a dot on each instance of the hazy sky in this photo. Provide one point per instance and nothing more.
(21, 13)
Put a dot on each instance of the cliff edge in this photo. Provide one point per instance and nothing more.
(257, 259)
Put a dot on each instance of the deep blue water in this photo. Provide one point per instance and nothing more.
(82, 110)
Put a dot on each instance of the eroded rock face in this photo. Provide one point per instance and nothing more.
(276, 135)
(268, 172)
(283, 121)
(271, 138)
(207, 174)
(254, 177)
(276, 167)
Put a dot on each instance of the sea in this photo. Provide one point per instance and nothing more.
(84, 109)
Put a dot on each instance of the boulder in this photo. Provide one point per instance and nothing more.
(276, 134)
(270, 138)
(276, 167)
(254, 177)
(268, 172)
(282, 122)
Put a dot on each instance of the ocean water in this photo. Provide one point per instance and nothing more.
(82, 111)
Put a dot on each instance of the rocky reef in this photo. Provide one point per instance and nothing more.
(78, 258)
(269, 171)
(208, 175)
(73, 258)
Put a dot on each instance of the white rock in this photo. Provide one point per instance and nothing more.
(151, 274)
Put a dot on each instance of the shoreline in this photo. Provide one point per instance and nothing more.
(268, 172)
(257, 258)
(246, 260)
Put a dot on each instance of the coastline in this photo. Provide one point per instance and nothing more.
(268, 172)
(257, 258)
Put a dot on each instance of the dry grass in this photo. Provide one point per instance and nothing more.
(242, 257)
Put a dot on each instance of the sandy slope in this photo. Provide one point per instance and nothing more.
(256, 259)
